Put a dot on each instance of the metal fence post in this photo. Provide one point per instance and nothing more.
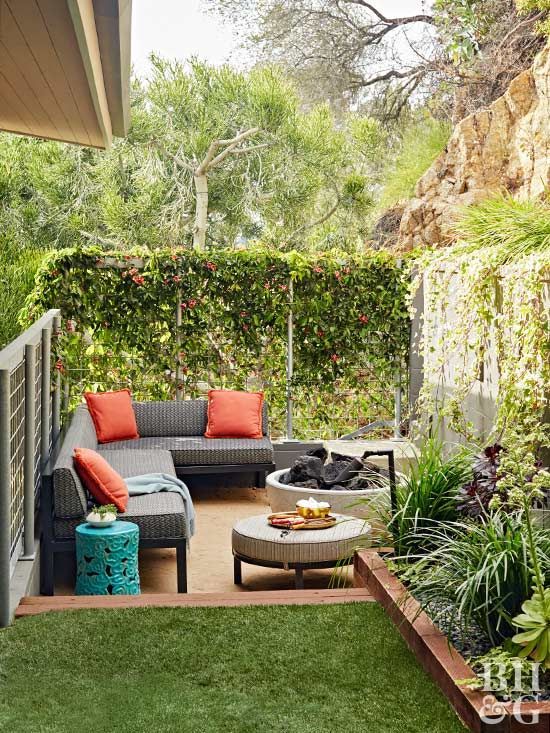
(398, 405)
(178, 346)
(56, 395)
(290, 363)
(5, 497)
(28, 466)
(45, 396)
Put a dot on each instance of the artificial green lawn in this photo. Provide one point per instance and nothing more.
(289, 669)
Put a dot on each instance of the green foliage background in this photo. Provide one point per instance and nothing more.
(350, 322)
(420, 142)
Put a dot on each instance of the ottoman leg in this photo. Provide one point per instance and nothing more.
(237, 571)
(299, 579)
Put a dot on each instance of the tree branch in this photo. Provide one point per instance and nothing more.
(316, 223)
(211, 159)
(404, 20)
(232, 148)
(250, 148)
(391, 74)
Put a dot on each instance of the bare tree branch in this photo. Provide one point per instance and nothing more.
(211, 160)
(419, 18)
(317, 222)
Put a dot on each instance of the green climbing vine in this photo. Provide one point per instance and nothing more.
(487, 315)
(119, 309)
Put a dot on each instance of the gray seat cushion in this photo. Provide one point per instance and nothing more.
(138, 462)
(158, 516)
(199, 451)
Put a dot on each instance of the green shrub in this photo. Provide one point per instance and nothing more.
(479, 573)
(422, 141)
(17, 270)
(428, 494)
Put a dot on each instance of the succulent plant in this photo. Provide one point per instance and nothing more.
(103, 509)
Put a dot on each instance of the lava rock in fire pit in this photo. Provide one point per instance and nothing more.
(309, 484)
(343, 473)
(305, 468)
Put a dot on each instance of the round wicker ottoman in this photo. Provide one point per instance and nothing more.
(255, 542)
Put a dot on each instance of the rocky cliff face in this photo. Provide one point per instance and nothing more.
(503, 147)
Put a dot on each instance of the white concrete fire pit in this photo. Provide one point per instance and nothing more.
(367, 504)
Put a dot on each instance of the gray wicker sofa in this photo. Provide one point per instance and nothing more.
(172, 441)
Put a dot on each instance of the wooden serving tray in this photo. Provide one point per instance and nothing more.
(317, 523)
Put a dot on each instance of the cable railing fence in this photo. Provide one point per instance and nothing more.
(30, 422)
(302, 409)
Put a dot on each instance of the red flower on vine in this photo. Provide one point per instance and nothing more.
(318, 269)
(54, 273)
(138, 279)
(335, 358)
(320, 333)
(267, 286)
(192, 303)
(364, 319)
(284, 288)
(338, 275)
(211, 266)
(245, 327)
(176, 278)
(133, 271)
(243, 314)
(60, 366)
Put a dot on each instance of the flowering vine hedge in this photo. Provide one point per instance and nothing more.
(350, 324)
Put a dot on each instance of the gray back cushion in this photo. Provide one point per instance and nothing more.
(171, 418)
(70, 498)
(176, 418)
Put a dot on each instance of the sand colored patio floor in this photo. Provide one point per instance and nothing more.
(210, 562)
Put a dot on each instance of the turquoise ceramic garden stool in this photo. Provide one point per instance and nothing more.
(107, 559)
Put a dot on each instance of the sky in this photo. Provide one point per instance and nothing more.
(178, 29)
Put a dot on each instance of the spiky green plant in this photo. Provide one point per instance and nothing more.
(508, 228)
(479, 573)
(428, 494)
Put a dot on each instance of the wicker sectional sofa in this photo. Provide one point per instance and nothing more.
(171, 441)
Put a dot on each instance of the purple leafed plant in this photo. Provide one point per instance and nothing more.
(474, 497)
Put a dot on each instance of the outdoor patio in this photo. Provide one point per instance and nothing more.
(275, 366)
(210, 561)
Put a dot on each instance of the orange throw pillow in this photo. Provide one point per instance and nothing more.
(234, 414)
(113, 415)
(103, 482)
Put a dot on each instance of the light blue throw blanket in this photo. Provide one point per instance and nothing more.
(152, 483)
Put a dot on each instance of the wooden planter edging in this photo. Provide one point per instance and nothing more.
(440, 659)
